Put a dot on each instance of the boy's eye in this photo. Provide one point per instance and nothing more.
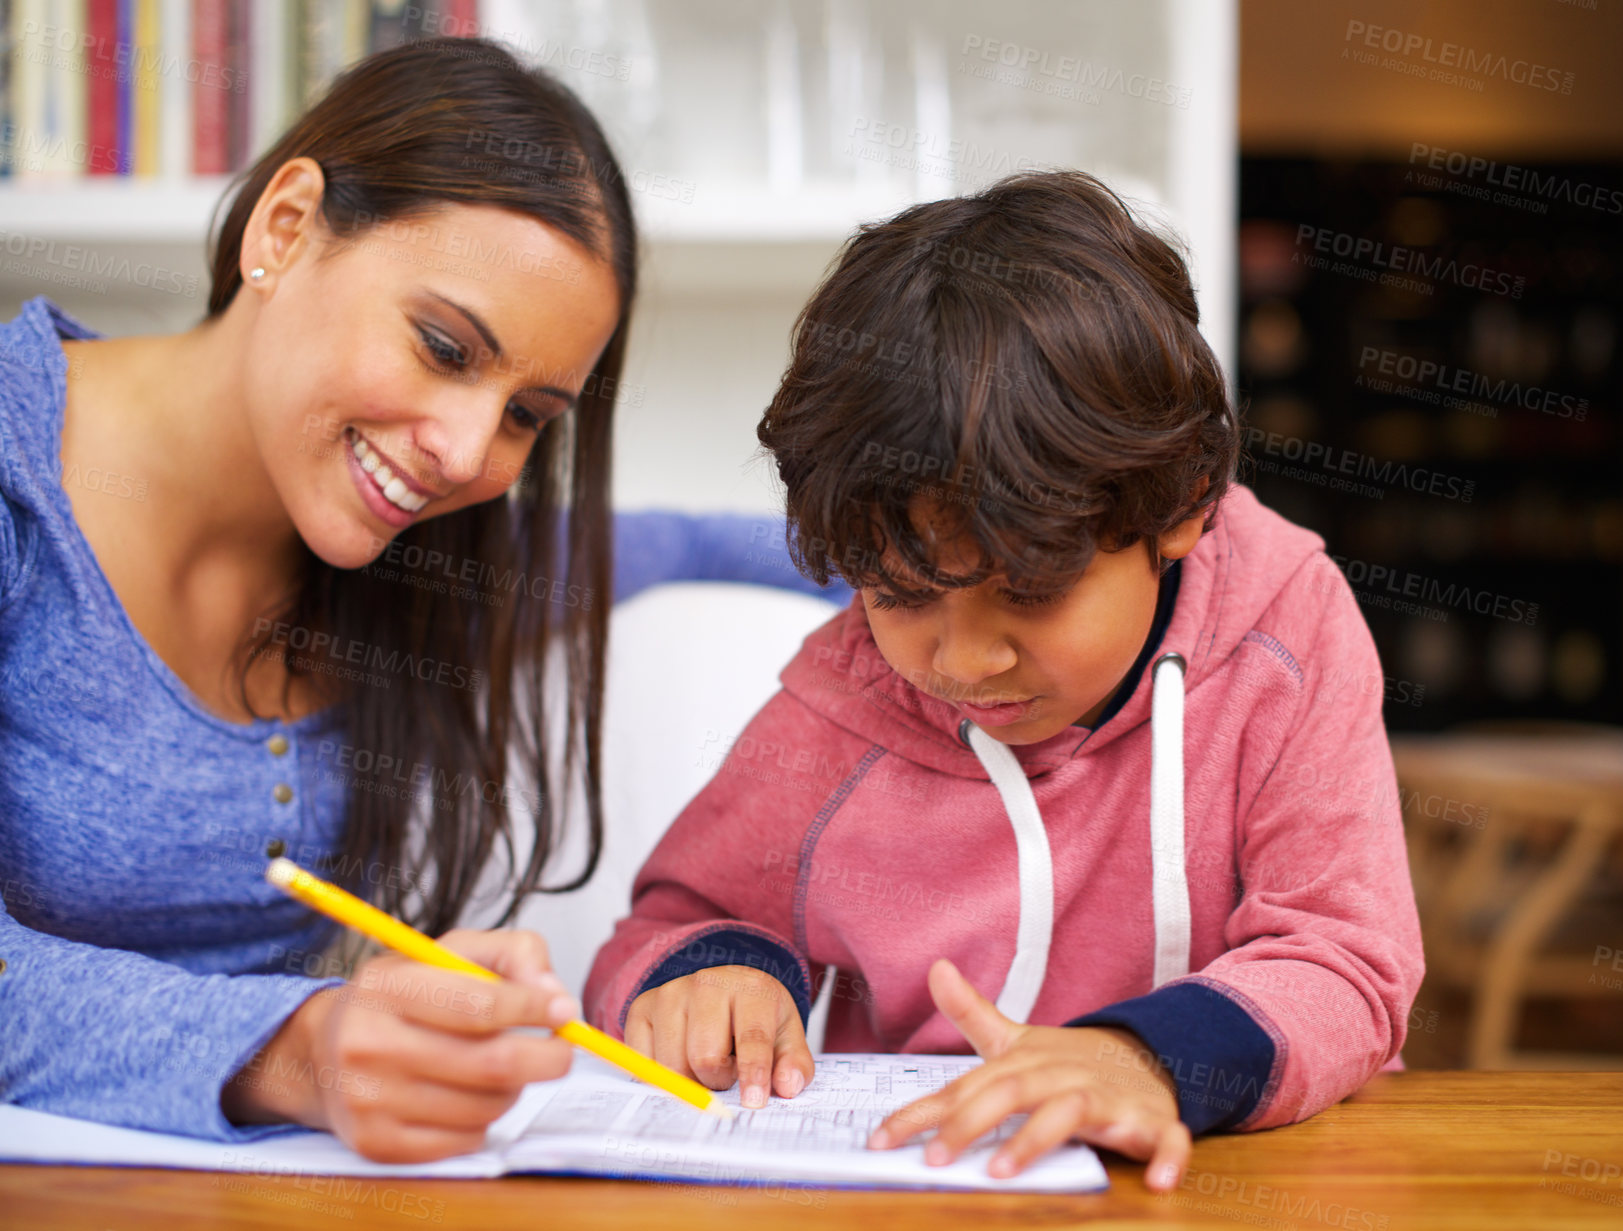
(445, 352)
(889, 602)
(1020, 599)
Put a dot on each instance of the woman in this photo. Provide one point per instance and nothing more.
(359, 508)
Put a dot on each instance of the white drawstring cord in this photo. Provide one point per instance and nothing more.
(1036, 872)
(1171, 884)
(1169, 879)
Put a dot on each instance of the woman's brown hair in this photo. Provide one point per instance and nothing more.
(1027, 362)
(425, 125)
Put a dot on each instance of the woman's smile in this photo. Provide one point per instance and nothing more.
(385, 487)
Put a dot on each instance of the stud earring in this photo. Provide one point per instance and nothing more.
(256, 273)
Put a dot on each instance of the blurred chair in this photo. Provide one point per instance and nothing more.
(1510, 831)
(689, 665)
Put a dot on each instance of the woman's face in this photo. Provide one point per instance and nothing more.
(405, 372)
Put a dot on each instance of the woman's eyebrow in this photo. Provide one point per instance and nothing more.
(478, 322)
(474, 319)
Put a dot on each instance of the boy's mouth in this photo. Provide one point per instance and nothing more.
(997, 714)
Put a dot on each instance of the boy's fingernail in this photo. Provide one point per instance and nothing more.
(935, 1153)
(548, 983)
(797, 1082)
(755, 1096)
(563, 1008)
(1166, 1177)
(880, 1139)
(1001, 1166)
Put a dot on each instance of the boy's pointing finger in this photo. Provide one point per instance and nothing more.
(976, 1017)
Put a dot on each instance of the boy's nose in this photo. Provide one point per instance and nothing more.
(969, 660)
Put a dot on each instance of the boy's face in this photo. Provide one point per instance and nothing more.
(1023, 670)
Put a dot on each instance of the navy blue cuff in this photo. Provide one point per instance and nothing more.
(1218, 1057)
(733, 947)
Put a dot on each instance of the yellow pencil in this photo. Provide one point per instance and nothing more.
(349, 910)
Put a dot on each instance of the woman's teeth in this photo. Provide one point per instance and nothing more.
(396, 492)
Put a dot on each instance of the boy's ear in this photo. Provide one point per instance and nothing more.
(1179, 541)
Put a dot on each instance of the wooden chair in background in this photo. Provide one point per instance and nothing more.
(1514, 845)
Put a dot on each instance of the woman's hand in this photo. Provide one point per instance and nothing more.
(407, 1062)
(1072, 1079)
(722, 1024)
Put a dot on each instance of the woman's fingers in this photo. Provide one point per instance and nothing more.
(413, 1062)
(391, 1050)
(522, 960)
(506, 1063)
(456, 1003)
(514, 954)
(432, 1104)
(390, 1141)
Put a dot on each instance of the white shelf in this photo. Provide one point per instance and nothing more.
(93, 210)
(178, 212)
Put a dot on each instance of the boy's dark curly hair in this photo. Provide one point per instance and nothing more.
(1025, 364)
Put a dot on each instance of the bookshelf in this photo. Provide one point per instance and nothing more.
(178, 211)
(756, 138)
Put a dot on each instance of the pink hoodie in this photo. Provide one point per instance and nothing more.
(852, 826)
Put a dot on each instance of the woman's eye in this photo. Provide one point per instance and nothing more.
(446, 352)
(524, 416)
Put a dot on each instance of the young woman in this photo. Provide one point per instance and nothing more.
(358, 510)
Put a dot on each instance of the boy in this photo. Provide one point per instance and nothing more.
(1081, 741)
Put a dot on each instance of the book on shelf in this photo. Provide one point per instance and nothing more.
(5, 88)
(173, 88)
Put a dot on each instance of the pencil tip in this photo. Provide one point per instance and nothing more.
(719, 1109)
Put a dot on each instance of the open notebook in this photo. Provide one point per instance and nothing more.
(598, 1121)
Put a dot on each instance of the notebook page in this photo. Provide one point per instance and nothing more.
(599, 1121)
(28, 1136)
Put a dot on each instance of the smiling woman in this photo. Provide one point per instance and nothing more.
(371, 510)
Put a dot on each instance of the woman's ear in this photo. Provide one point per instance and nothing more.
(1179, 541)
(284, 220)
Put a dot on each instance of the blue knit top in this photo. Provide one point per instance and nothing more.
(145, 959)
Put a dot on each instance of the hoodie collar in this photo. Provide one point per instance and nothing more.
(1231, 577)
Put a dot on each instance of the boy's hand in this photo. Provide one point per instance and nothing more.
(1060, 1075)
(722, 1024)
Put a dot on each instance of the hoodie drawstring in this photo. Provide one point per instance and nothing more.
(1169, 878)
(1036, 865)
(1170, 885)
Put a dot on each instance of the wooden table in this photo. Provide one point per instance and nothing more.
(1473, 1151)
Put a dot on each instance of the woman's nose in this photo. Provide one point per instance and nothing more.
(455, 439)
